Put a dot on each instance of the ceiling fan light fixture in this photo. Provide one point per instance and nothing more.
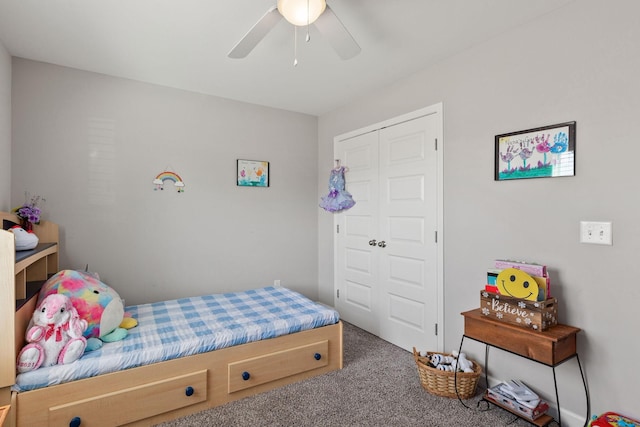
(301, 12)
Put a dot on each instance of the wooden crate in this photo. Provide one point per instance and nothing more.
(534, 315)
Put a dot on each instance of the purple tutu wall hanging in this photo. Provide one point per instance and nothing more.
(338, 198)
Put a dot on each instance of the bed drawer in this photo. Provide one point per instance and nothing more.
(132, 404)
(251, 372)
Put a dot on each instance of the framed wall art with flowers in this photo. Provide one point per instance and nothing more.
(253, 173)
(544, 152)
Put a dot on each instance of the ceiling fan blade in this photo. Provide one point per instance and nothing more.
(256, 33)
(334, 31)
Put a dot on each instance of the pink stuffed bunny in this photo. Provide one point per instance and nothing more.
(54, 335)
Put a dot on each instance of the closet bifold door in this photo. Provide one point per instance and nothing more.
(407, 217)
(386, 251)
(356, 242)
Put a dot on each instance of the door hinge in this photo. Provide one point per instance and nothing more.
(436, 236)
(436, 144)
(337, 228)
(436, 329)
(337, 293)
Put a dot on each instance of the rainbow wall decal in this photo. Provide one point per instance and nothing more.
(171, 176)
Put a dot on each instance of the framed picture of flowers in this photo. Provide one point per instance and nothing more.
(253, 173)
(544, 152)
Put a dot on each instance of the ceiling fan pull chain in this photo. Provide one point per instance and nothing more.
(295, 46)
(308, 23)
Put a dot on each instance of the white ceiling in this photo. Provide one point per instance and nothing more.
(184, 43)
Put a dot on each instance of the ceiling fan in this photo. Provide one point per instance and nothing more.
(300, 13)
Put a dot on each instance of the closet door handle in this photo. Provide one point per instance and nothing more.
(372, 242)
(382, 244)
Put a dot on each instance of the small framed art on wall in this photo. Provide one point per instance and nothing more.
(253, 173)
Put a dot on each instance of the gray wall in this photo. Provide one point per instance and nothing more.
(92, 145)
(5, 129)
(580, 63)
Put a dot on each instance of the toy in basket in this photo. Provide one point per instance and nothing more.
(439, 377)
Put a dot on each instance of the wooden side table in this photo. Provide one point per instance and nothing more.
(552, 347)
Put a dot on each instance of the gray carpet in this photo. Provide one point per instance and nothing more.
(378, 386)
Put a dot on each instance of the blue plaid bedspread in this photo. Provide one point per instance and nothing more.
(177, 328)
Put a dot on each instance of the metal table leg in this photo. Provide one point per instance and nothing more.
(555, 386)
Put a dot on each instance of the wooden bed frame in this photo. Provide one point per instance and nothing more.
(149, 394)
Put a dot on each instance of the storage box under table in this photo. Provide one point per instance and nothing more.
(494, 395)
(534, 315)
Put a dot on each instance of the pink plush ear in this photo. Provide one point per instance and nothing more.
(77, 326)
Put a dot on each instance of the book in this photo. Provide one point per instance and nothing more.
(520, 392)
(496, 395)
(492, 275)
(529, 268)
(544, 286)
(491, 288)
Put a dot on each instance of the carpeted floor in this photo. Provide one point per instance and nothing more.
(378, 386)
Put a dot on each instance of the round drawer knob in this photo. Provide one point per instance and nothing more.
(75, 422)
(317, 356)
(189, 391)
(246, 375)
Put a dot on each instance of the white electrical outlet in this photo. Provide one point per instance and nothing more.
(276, 283)
(597, 233)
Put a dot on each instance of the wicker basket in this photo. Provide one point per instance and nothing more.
(443, 383)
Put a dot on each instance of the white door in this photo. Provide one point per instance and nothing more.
(408, 224)
(357, 260)
(392, 288)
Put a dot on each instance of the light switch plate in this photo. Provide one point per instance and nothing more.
(596, 232)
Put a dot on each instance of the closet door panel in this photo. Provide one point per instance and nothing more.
(357, 260)
(407, 226)
(387, 266)
(405, 189)
(406, 312)
(404, 271)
